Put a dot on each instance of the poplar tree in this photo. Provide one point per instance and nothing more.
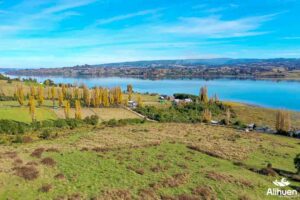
(206, 116)
(203, 94)
(60, 97)
(283, 121)
(32, 108)
(228, 115)
(139, 101)
(105, 98)
(67, 109)
(40, 95)
(53, 95)
(77, 110)
(32, 91)
(129, 91)
(20, 94)
(86, 96)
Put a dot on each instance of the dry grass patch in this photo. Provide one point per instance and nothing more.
(228, 179)
(27, 172)
(48, 161)
(205, 192)
(37, 152)
(117, 195)
(45, 188)
(176, 180)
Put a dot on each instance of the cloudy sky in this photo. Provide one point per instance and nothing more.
(57, 33)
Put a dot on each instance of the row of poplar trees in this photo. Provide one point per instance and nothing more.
(67, 96)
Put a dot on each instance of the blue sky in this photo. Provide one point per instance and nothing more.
(57, 33)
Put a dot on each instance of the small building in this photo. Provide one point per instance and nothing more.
(132, 104)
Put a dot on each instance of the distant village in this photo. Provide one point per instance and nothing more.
(273, 68)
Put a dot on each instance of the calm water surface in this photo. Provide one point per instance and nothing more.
(273, 94)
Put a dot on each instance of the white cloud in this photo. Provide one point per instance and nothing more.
(127, 16)
(216, 27)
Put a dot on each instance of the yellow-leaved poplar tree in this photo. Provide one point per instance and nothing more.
(31, 105)
(40, 95)
(20, 94)
(78, 114)
(67, 109)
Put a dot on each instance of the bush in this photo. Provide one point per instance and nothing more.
(123, 122)
(45, 134)
(60, 123)
(92, 120)
(12, 127)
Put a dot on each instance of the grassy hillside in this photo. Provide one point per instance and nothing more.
(146, 161)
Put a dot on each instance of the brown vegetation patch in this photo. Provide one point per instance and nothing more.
(75, 196)
(205, 192)
(18, 162)
(27, 139)
(84, 149)
(176, 180)
(59, 176)
(159, 168)
(45, 188)
(52, 149)
(228, 179)
(37, 152)
(11, 154)
(27, 172)
(48, 161)
(147, 194)
(139, 171)
(117, 195)
(32, 163)
(244, 197)
(155, 186)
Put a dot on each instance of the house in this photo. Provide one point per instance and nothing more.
(179, 101)
(132, 104)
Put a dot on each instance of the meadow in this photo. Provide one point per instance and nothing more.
(138, 159)
(146, 161)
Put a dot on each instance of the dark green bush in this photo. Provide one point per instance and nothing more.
(46, 133)
(60, 123)
(92, 120)
(12, 127)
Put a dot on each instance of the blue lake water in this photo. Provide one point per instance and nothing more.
(272, 94)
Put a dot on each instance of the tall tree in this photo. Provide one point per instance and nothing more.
(228, 115)
(206, 116)
(32, 108)
(20, 94)
(86, 96)
(105, 98)
(60, 97)
(53, 95)
(129, 91)
(139, 101)
(67, 109)
(78, 114)
(283, 121)
(40, 95)
(203, 94)
(32, 91)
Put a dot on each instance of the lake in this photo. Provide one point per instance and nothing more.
(272, 94)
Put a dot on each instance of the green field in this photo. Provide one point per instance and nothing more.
(148, 161)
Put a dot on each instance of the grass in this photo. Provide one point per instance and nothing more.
(261, 116)
(22, 114)
(145, 161)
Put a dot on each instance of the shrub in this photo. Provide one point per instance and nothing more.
(60, 123)
(12, 127)
(92, 120)
(45, 134)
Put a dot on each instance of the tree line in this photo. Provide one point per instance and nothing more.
(66, 96)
